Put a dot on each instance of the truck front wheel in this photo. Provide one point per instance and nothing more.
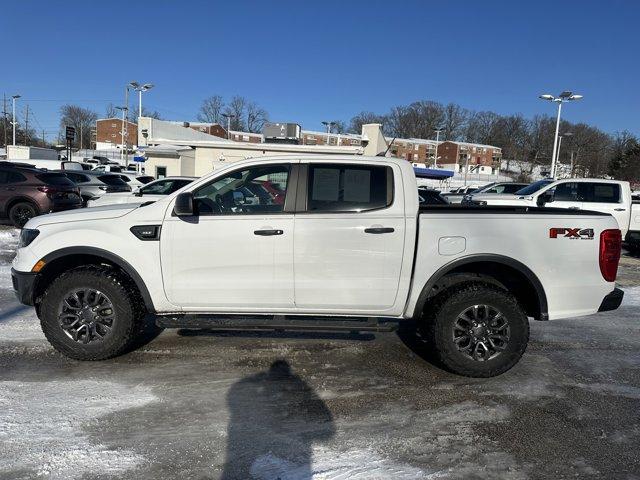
(92, 313)
(477, 330)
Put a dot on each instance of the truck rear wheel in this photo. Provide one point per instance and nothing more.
(477, 330)
(93, 313)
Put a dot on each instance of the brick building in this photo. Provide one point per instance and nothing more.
(476, 154)
(109, 133)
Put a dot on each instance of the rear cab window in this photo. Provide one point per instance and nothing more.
(600, 192)
(349, 188)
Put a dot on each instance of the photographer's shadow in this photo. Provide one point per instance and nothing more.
(275, 418)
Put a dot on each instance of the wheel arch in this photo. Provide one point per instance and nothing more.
(20, 199)
(523, 282)
(67, 258)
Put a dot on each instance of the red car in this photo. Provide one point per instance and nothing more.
(26, 192)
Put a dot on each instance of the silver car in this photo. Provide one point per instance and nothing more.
(93, 184)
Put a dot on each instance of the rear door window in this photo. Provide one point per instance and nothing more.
(145, 179)
(77, 177)
(349, 188)
(600, 192)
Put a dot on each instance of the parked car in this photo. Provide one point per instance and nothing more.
(150, 192)
(456, 195)
(135, 179)
(94, 184)
(26, 192)
(632, 239)
(109, 167)
(495, 189)
(431, 196)
(612, 197)
(349, 249)
(54, 164)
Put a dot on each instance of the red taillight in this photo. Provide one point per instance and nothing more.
(610, 246)
(50, 191)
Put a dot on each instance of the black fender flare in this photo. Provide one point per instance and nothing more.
(492, 258)
(110, 257)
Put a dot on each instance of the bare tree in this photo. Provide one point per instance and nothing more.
(364, 118)
(211, 110)
(455, 118)
(82, 119)
(133, 114)
(256, 117)
(338, 126)
(417, 120)
(111, 111)
(236, 108)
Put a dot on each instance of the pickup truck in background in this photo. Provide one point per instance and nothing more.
(594, 194)
(338, 243)
(632, 238)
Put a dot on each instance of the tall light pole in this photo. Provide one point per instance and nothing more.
(228, 116)
(329, 126)
(13, 116)
(140, 88)
(566, 134)
(565, 96)
(435, 161)
(125, 111)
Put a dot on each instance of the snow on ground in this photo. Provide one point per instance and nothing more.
(41, 426)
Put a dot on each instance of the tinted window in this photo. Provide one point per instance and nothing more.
(349, 188)
(162, 187)
(511, 188)
(565, 192)
(112, 180)
(55, 179)
(256, 190)
(8, 176)
(77, 177)
(145, 179)
(600, 192)
(534, 187)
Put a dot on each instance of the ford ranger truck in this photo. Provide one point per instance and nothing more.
(317, 243)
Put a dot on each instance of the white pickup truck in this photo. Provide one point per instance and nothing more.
(320, 243)
(595, 194)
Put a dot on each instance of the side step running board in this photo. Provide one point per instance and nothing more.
(277, 322)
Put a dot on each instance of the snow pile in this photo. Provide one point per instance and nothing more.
(41, 427)
(631, 297)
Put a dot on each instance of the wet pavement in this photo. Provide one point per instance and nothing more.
(238, 405)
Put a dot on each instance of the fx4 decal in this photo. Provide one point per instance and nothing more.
(572, 233)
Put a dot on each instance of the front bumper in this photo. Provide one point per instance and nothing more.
(612, 301)
(23, 285)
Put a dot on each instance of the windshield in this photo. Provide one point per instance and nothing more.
(534, 187)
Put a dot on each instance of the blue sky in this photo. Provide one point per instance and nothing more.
(311, 61)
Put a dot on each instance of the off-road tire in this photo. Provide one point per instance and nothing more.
(130, 328)
(437, 327)
(14, 213)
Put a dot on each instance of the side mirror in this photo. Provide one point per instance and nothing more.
(137, 193)
(544, 199)
(184, 205)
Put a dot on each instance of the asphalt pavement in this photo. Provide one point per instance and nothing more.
(238, 405)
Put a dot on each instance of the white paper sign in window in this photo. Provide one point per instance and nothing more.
(357, 186)
(326, 184)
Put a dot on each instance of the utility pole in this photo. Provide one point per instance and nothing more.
(44, 142)
(80, 136)
(4, 117)
(26, 126)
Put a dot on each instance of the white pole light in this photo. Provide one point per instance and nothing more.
(13, 116)
(565, 96)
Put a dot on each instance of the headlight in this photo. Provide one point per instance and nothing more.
(27, 235)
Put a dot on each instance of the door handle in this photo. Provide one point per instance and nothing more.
(574, 208)
(11, 188)
(620, 209)
(267, 233)
(379, 230)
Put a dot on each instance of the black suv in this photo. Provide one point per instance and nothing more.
(26, 191)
